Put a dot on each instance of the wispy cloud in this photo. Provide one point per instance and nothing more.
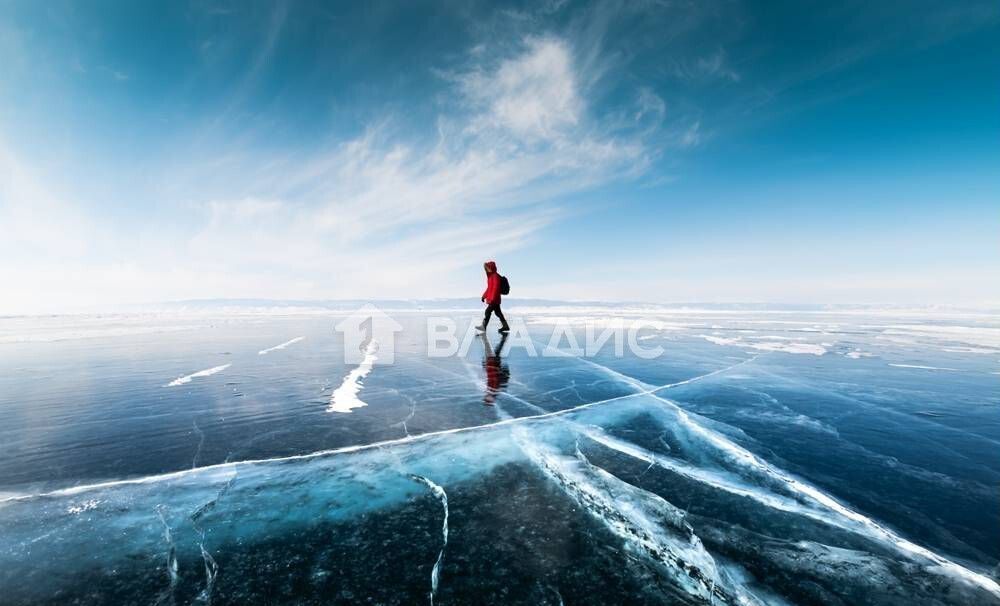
(116, 74)
(533, 96)
(382, 214)
(706, 67)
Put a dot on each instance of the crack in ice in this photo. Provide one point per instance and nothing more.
(172, 566)
(201, 442)
(211, 566)
(72, 490)
(605, 494)
(746, 458)
(442, 496)
(649, 523)
(408, 417)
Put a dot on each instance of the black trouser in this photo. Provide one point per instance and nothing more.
(490, 310)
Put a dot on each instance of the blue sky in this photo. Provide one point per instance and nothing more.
(674, 152)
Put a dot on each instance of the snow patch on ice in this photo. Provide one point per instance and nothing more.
(345, 398)
(966, 349)
(281, 346)
(201, 373)
(792, 348)
(721, 340)
(922, 367)
(82, 507)
(967, 335)
(608, 322)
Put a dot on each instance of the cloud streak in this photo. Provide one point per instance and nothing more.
(382, 214)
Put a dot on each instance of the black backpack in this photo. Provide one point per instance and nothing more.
(504, 286)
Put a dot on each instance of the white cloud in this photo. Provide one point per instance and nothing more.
(379, 215)
(692, 136)
(650, 104)
(533, 95)
(716, 66)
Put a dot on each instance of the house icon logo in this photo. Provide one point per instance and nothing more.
(369, 336)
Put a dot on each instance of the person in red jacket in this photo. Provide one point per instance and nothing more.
(491, 296)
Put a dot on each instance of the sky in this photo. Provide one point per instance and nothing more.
(709, 151)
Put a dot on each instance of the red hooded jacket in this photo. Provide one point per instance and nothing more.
(492, 293)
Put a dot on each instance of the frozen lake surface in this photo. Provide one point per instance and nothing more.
(763, 458)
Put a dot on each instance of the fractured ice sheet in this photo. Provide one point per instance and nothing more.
(712, 475)
(319, 521)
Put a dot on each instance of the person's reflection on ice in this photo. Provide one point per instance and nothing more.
(497, 373)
